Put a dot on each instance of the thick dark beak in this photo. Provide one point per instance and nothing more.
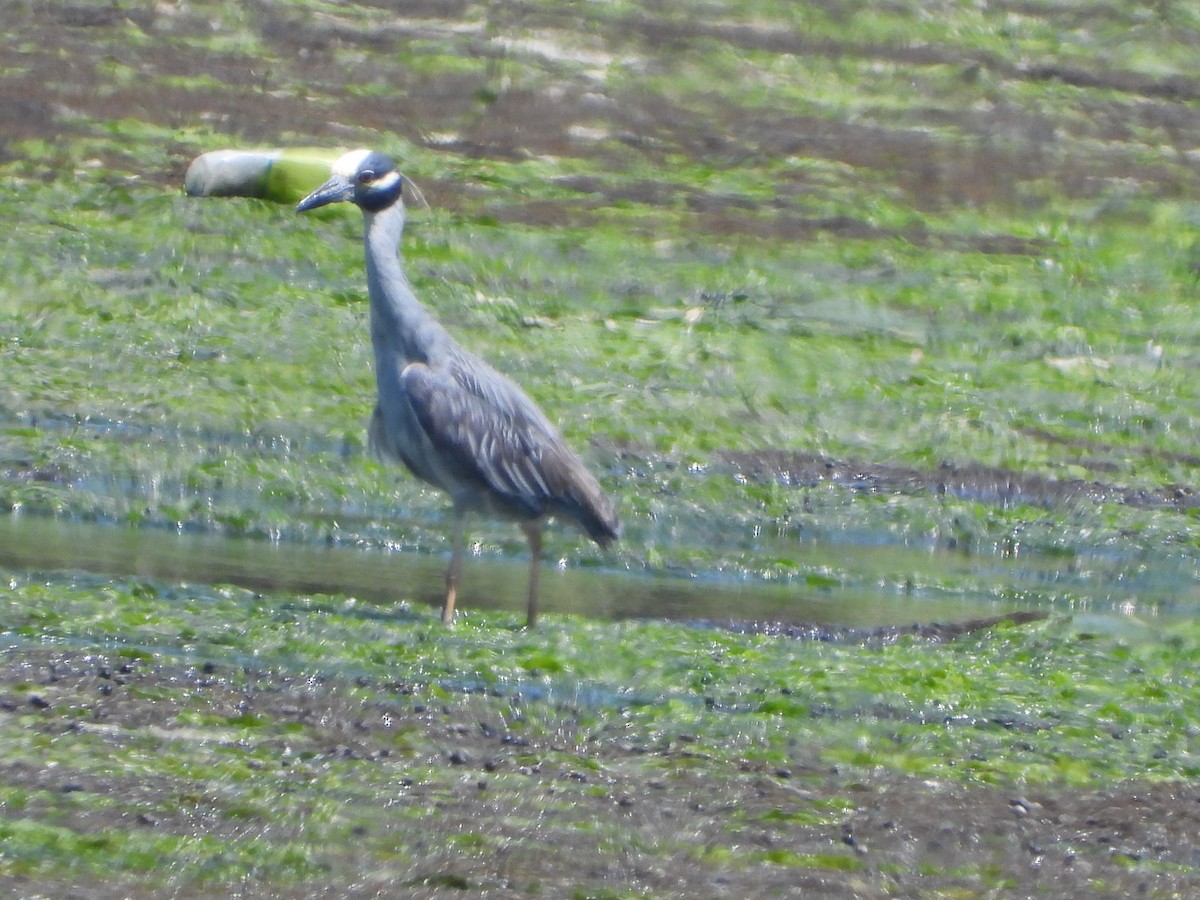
(335, 190)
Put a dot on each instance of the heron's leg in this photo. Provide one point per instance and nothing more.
(533, 533)
(455, 571)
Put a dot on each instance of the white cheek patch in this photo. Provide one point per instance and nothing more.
(386, 182)
(347, 165)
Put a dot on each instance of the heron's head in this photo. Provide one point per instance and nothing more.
(364, 177)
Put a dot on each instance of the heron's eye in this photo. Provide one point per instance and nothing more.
(366, 177)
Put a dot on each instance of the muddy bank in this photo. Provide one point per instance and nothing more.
(556, 816)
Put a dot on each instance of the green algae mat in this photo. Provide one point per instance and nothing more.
(885, 314)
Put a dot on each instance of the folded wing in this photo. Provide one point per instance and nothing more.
(502, 450)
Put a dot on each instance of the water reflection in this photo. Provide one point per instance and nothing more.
(874, 586)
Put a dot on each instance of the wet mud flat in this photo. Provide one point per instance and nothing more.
(164, 767)
(443, 799)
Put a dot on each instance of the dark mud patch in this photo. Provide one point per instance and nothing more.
(575, 812)
(1093, 449)
(1000, 487)
(885, 634)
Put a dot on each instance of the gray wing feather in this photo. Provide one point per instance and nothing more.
(491, 432)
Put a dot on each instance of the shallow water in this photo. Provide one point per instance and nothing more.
(388, 551)
(879, 585)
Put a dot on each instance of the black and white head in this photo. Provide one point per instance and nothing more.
(363, 177)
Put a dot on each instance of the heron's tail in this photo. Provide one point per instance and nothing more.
(594, 511)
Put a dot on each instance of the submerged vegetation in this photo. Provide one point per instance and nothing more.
(813, 286)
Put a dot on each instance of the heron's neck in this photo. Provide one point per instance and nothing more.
(401, 327)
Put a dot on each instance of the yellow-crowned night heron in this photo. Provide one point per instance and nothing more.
(452, 419)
